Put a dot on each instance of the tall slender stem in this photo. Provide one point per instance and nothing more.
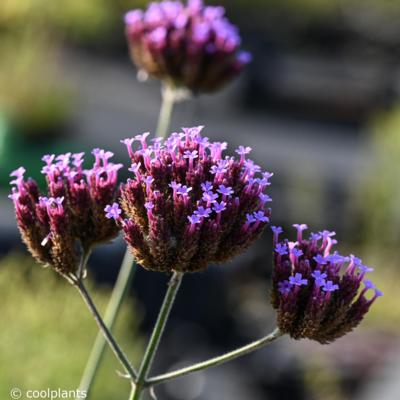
(125, 277)
(168, 95)
(128, 267)
(103, 328)
(84, 260)
(216, 360)
(156, 335)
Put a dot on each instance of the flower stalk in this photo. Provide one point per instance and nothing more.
(156, 335)
(213, 362)
(128, 266)
(168, 97)
(125, 277)
(79, 285)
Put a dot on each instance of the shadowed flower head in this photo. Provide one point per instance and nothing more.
(188, 205)
(192, 45)
(72, 209)
(318, 294)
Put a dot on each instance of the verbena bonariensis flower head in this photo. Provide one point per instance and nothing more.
(187, 205)
(191, 45)
(71, 212)
(319, 294)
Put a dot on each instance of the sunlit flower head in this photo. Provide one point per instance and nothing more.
(191, 45)
(318, 293)
(188, 205)
(71, 212)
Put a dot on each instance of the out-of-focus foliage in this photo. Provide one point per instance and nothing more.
(34, 105)
(380, 196)
(33, 92)
(46, 333)
(308, 6)
(379, 228)
(75, 18)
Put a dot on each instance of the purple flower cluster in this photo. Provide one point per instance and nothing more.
(187, 204)
(192, 45)
(72, 211)
(317, 291)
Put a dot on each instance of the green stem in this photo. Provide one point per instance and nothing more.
(103, 328)
(128, 267)
(125, 277)
(213, 362)
(84, 260)
(156, 335)
(168, 95)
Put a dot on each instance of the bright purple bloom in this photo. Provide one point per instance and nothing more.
(218, 169)
(210, 198)
(330, 287)
(219, 207)
(281, 249)
(333, 304)
(297, 252)
(284, 287)
(142, 139)
(149, 205)
(113, 211)
(264, 198)
(191, 155)
(297, 280)
(71, 213)
(206, 186)
(364, 269)
(250, 218)
(300, 228)
(260, 216)
(320, 278)
(148, 180)
(194, 219)
(224, 190)
(320, 259)
(202, 211)
(174, 186)
(241, 150)
(201, 37)
(369, 284)
(48, 158)
(18, 173)
(276, 229)
(183, 190)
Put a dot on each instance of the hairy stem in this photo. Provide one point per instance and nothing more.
(167, 104)
(125, 277)
(213, 362)
(84, 260)
(156, 335)
(128, 267)
(105, 331)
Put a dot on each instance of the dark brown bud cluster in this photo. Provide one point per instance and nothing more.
(317, 293)
(72, 215)
(188, 206)
(189, 45)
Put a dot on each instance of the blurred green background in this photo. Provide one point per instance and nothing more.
(47, 333)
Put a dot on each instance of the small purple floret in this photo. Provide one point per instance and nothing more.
(284, 287)
(113, 211)
(330, 287)
(297, 280)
